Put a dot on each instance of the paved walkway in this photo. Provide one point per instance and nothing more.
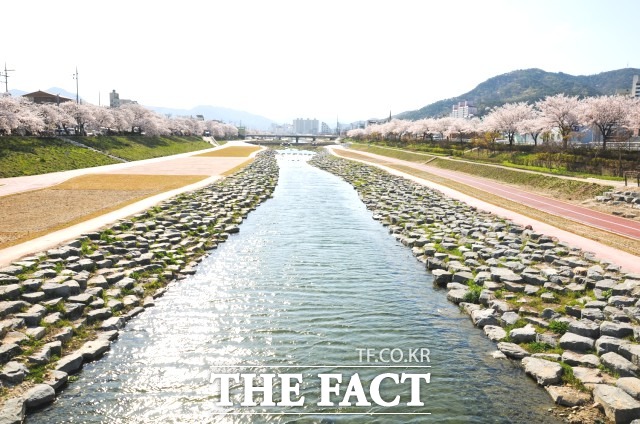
(628, 261)
(182, 164)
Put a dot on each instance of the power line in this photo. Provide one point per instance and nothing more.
(5, 75)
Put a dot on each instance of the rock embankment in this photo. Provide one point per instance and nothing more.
(570, 319)
(62, 308)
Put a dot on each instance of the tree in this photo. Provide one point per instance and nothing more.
(458, 126)
(9, 112)
(606, 113)
(562, 112)
(54, 117)
(508, 118)
(533, 125)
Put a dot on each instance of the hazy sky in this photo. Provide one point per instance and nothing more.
(350, 59)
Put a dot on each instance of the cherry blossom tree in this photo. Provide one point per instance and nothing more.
(507, 118)
(122, 119)
(562, 112)
(357, 133)
(607, 113)
(54, 117)
(459, 127)
(230, 131)
(633, 116)
(102, 117)
(441, 126)
(9, 114)
(29, 122)
(533, 125)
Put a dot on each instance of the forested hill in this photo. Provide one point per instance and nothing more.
(530, 85)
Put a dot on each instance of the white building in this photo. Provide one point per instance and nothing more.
(464, 110)
(116, 101)
(306, 126)
(635, 86)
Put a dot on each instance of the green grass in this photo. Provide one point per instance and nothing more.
(32, 156)
(21, 156)
(139, 147)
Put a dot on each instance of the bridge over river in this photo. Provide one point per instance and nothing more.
(315, 139)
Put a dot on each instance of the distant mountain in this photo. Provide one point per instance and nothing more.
(235, 117)
(52, 90)
(17, 93)
(529, 85)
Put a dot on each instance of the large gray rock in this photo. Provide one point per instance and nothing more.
(619, 364)
(94, 349)
(567, 396)
(631, 385)
(510, 318)
(57, 379)
(13, 373)
(616, 329)
(441, 277)
(512, 350)
(113, 323)
(99, 314)
(10, 292)
(618, 406)
(525, 334)
(576, 343)
(579, 360)
(585, 328)
(70, 364)
(13, 411)
(456, 296)
(544, 372)
(54, 290)
(590, 376)
(39, 395)
(495, 332)
(630, 352)
(609, 344)
(484, 317)
(592, 314)
(500, 275)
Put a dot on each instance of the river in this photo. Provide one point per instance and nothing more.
(311, 285)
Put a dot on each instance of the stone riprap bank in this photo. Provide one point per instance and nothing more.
(571, 320)
(62, 308)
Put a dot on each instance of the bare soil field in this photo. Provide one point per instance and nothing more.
(31, 214)
(231, 151)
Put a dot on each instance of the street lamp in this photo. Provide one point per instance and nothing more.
(75, 77)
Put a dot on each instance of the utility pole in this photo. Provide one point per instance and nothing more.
(5, 75)
(75, 77)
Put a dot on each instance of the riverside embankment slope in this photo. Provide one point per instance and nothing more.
(628, 261)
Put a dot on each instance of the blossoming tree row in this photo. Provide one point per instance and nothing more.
(21, 116)
(560, 114)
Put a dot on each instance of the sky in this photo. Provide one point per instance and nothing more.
(331, 60)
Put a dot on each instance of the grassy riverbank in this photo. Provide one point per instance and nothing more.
(561, 188)
(143, 147)
(32, 156)
(21, 156)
